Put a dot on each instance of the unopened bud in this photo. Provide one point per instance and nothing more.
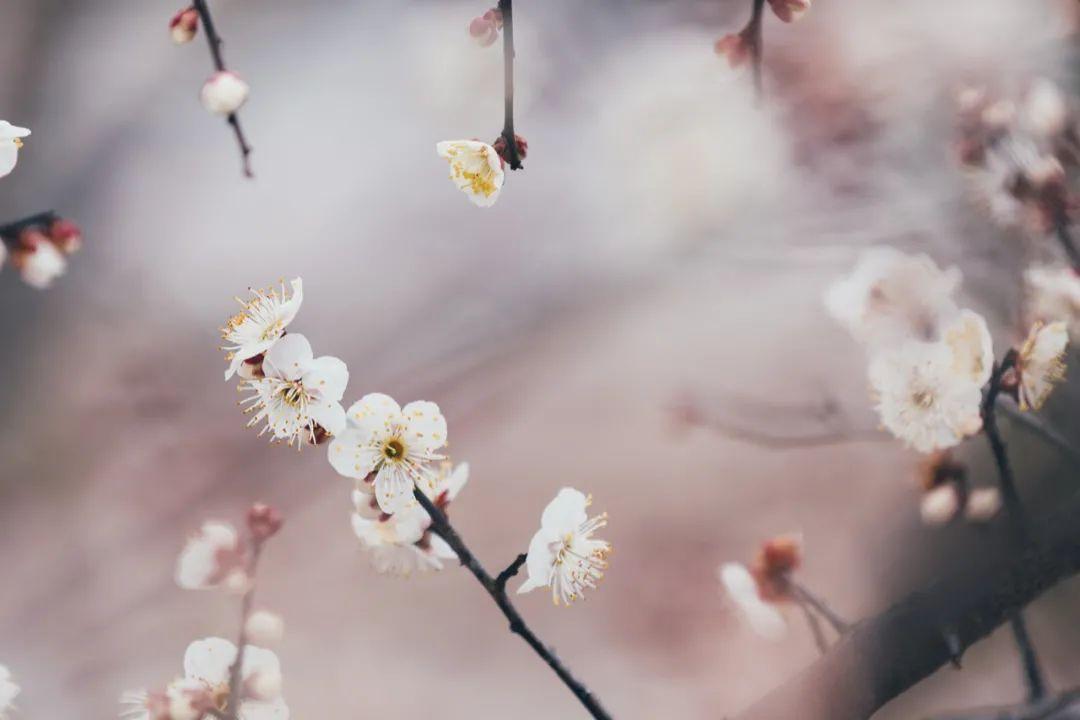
(38, 260)
(66, 236)
(263, 521)
(501, 147)
(264, 628)
(789, 10)
(735, 48)
(483, 31)
(184, 26)
(939, 505)
(224, 93)
(983, 504)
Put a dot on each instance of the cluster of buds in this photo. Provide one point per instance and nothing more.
(738, 48)
(217, 556)
(39, 250)
(484, 29)
(224, 92)
(1021, 153)
(947, 494)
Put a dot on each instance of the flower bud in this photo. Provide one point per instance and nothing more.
(184, 26)
(983, 504)
(263, 521)
(1045, 112)
(734, 48)
(264, 628)
(66, 236)
(483, 31)
(38, 260)
(939, 505)
(501, 149)
(789, 10)
(264, 685)
(224, 93)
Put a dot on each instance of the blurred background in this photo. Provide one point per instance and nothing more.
(669, 239)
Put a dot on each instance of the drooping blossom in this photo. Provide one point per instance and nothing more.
(213, 557)
(1040, 364)
(37, 259)
(402, 543)
(224, 93)
(891, 297)
(789, 10)
(759, 590)
(8, 691)
(485, 28)
(10, 141)
(1053, 293)
(563, 554)
(299, 396)
(763, 617)
(475, 167)
(395, 446)
(260, 323)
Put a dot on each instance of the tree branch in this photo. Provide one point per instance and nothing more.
(10, 231)
(215, 42)
(506, 7)
(496, 588)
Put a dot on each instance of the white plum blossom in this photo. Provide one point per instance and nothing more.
(10, 141)
(563, 554)
(1040, 363)
(299, 393)
(224, 93)
(400, 544)
(397, 444)
(1044, 112)
(890, 297)
(475, 167)
(39, 261)
(182, 699)
(763, 617)
(1053, 293)
(922, 399)
(212, 557)
(8, 691)
(260, 323)
(968, 339)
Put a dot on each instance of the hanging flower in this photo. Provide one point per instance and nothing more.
(1053, 293)
(1039, 364)
(401, 544)
(37, 259)
(475, 167)
(299, 397)
(393, 445)
(764, 618)
(260, 323)
(563, 554)
(8, 691)
(224, 93)
(213, 557)
(10, 141)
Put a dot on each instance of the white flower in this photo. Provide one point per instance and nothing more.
(764, 618)
(983, 504)
(10, 141)
(563, 554)
(921, 399)
(39, 261)
(212, 557)
(400, 544)
(8, 691)
(298, 393)
(891, 297)
(1054, 294)
(264, 627)
(475, 167)
(224, 93)
(1044, 112)
(182, 699)
(939, 505)
(968, 339)
(1040, 364)
(397, 444)
(260, 323)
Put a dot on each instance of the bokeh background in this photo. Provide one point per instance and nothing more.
(669, 240)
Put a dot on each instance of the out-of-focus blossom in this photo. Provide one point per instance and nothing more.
(983, 504)
(891, 297)
(264, 628)
(213, 557)
(485, 28)
(184, 26)
(763, 617)
(563, 554)
(264, 521)
(1044, 112)
(1053, 293)
(734, 48)
(182, 699)
(66, 236)
(789, 10)
(475, 167)
(968, 338)
(10, 141)
(940, 504)
(260, 323)
(394, 445)
(8, 691)
(401, 544)
(1040, 364)
(38, 260)
(922, 399)
(224, 93)
(298, 393)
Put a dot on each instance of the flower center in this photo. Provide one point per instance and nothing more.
(923, 399)
(292, 394)
(393, 449)
(273, 331)
(17, 142)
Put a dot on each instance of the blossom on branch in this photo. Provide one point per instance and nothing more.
(213, 557)
(8, 691)
(260, 323)
(37, 259)
(224, 93)
(475, 167)
(264, 628)
(789, 10)
(1053, 293)
(563, 554)
(1040, 364)
(299, 395)
(184, 26)
(10, 141)
(390, 447)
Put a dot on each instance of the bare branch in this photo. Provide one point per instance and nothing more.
(506, 7)
(10, 231)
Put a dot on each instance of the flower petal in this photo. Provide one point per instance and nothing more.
(425, 426)
(373, 415)
(289, 357)
(393, 489)
(328, 376)
(209, 660)
(351, 456)
(329, 414)
(566, 512)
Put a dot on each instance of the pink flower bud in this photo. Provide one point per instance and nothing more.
(264, 628)
(263, 521)
(501, 147)
(37, 259)
(483, 31)
(184, 26)
(66, 236)
(224, 93)
(789, 10)
(735, 48)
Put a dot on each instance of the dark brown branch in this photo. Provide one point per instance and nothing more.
(886, 655)
(819, 606)
(215, 42)
(814, 624)
(1056, 707)
(10, 231)
(754, 35)
(496, 588)
(506, 7)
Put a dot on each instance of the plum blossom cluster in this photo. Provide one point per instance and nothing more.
(8, 692)
(222, 679)
(745, 46)
(38, 247)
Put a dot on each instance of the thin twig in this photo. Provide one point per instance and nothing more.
(755, 37)
(506, 7)
(215, 42)
(236, 670)
(10, 231)
(819, 606)
(442, 527)
(815, 627)
(505, 575)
